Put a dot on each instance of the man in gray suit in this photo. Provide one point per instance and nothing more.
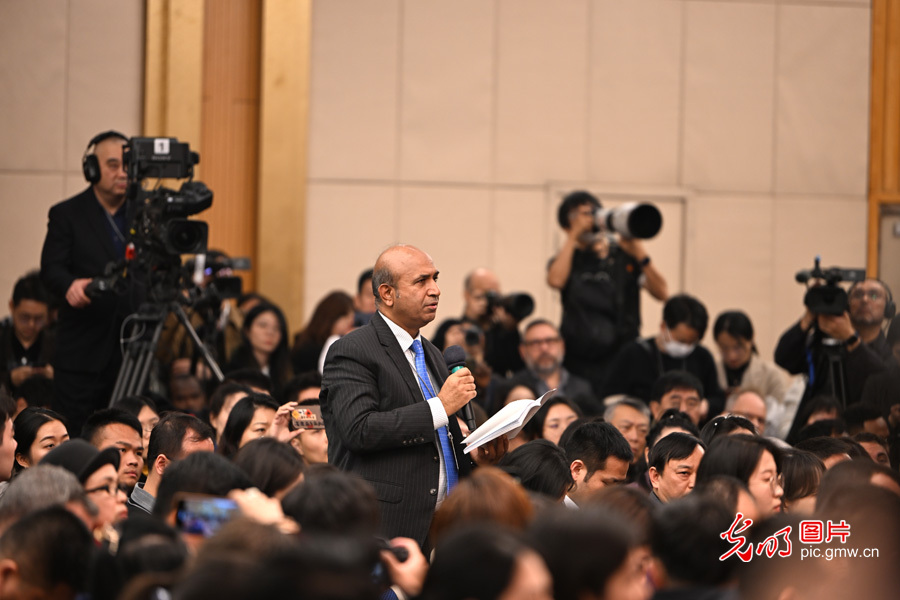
(385, 423)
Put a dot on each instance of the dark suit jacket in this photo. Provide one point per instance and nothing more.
(78, 244)
(380, 428)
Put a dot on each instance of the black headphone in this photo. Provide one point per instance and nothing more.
(890, 309)
(90, 166)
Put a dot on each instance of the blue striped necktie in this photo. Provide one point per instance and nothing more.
(443, 435)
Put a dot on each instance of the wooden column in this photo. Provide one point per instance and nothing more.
(884, 126)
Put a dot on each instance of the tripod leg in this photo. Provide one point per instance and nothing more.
(207, 355)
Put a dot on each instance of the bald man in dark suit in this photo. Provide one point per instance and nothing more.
(383, 419)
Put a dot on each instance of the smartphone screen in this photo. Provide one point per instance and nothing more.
(204, 515)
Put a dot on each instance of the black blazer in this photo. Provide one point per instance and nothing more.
(78, 245)
(380, 428)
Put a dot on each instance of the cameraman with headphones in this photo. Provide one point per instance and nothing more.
(855, 337)
(84, 234)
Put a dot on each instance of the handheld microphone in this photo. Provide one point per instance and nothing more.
(455, 357)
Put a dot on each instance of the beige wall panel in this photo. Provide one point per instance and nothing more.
(450, 224)
(823, 100)
(728, 96)
(348, 227)
(833, 228)
(447, 90)
(105, 72)
(74, 184)
(32, 77)
(635, 91)
(730, 249)
(354, 91)
(542, 50)
(520, 243)
(25, 199)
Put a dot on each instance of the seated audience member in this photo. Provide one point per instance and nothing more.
(824, 428)
(198, 473)
(642, 362)
(47, 554)
(853, 474)
(312, 441)
(7, 441)
(364, 300)
(749, 404)
(801, 471)
(726, 425)
(830, 450)
(875, 445)
(486, 561)
(541, 467)
(253, 417)
(687, 542)
(598, 457)
(543, 351)
(26, 347)
(176, 436)
(265, 345)
(753, 460)
(115, 428)
(332, 502)
(333, 316)
(552, 419)
(37, 432)
(222, 401)
(581, 567)
(187, 395)
(741, 368)
(679, 390)
(273, 466)
(862, 417)
(632, 418)
(146, 411)
(673, 466)
(97, 470)
(37, 390)
(669, 421)
(487, 496)
(43, 486)
(630, 504)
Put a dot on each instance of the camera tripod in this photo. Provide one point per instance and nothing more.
(140, 347)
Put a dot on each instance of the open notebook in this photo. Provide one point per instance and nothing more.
(509, 420)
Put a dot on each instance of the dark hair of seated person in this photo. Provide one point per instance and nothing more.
(221, 393)
(736, 455)
(274, 467)
(240, 419)
(37, 390)
(568, 540)
(849, 474)
(109, 416)
(540, 466)
(298, 383)
(687, 540)
(725, 489)
(488, 495)
(675, 380)
(725, 425)
(823, 428)
(329, 501)
(671, 418)
(675, 446)
(824, 446)
(593, 443)
(198, 473)
(475, 561)
(134, 404)
(52, 550)
(631, 504)
(252, 378)
(801, 472)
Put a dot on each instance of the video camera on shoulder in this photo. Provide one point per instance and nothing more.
(828, 298)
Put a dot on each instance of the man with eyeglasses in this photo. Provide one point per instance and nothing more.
(543, 350)
(25, 345)
(838, 353)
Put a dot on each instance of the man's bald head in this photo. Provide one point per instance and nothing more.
(405, 286)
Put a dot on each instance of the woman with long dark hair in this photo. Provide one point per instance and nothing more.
(333, 316)
(265, 345)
